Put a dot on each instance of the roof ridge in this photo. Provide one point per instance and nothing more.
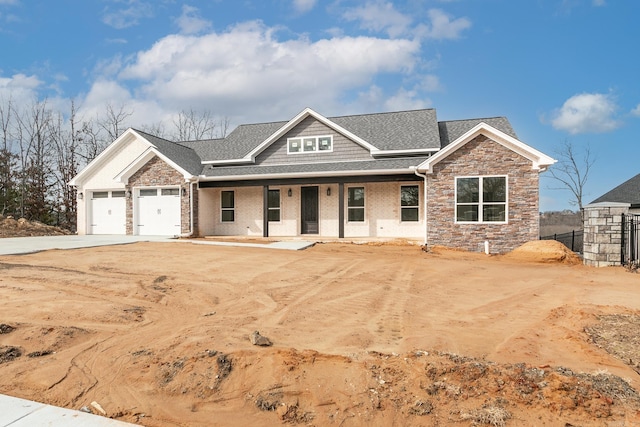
(473, 118)
(382, 113)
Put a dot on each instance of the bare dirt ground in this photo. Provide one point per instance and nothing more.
(158, 334)
(11, 227)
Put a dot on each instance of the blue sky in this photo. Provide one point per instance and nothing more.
(560, 70)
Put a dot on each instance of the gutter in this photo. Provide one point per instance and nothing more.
(415, 171)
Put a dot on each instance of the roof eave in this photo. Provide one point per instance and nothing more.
(539, 160)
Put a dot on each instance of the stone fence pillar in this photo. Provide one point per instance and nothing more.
(602, 224)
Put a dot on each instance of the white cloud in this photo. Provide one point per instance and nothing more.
(303, 6)
(636, 111)
(379, 16)
(190, 22)
(20, 87)
(128, 16)
(245, 68)
(442, 26)
(585, 113)
(406, 100)
(430, 83)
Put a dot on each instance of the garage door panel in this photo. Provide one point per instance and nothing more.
(108, 213)
(159, 212)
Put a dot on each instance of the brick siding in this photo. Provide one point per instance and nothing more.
(483, 156)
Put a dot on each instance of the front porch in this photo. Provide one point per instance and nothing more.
(359, 208)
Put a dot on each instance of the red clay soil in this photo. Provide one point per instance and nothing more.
(158, 334)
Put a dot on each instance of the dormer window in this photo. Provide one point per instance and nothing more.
(310, 144)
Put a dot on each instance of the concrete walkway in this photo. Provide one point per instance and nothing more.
(15, 412)
(27, 245)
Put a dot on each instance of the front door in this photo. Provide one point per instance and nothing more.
(309, 210)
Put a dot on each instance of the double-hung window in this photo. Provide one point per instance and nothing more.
(409, 199)
(481, 199)
(355, 204)
(228, 206)
(273, 205)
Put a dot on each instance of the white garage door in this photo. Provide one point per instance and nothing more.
(158, 211)
(108, 212)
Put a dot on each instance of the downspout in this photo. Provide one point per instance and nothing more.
(423, 176)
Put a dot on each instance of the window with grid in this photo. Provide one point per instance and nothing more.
(409, 203)
(228, 206)
(481, 199)
(273, 205)
(355, 204)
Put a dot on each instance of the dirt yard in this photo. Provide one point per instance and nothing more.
(158, 334)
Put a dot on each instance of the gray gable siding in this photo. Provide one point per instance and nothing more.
(343, 148)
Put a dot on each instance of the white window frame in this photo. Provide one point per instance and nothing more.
(480, 203)
(363, 207)
(416, 206)
(316, 144)
(227, 209)
(278, 208)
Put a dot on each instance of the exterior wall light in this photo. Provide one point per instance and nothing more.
(128, 194)
(289, 193)
(184, 192)
(328, 191)
(80, 196)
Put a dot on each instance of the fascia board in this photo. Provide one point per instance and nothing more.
(307, 175)
(540, 161)
(295, 121)
(382, 153)
(142, 159)
(101, 158)
(227, 162)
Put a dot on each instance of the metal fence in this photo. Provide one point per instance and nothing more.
(630, 240)
(574, 240)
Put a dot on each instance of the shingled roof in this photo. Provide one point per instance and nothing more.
(627, 192)
(183, 156)
(454, 129)
(395, 131)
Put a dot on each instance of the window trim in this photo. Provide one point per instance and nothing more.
(316, 144)
(480, 203)
(231, 209)
(273, 208)
(407, 207)
(363, 207)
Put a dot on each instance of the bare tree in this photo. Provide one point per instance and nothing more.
(33, 126)
(224, 125)
(192, 125)
(572, 170)
(114, 122)
(66, 139)
(8, 160)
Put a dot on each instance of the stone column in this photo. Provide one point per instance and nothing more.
(602, 224)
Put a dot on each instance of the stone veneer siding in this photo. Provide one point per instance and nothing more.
(602, 224)
(156, 173)
(480, 157)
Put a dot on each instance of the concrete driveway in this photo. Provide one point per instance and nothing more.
(26, 245)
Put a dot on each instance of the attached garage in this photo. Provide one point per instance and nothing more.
(108, 212)
(157, 211)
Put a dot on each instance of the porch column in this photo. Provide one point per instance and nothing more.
(265, 211)
(340, 210)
